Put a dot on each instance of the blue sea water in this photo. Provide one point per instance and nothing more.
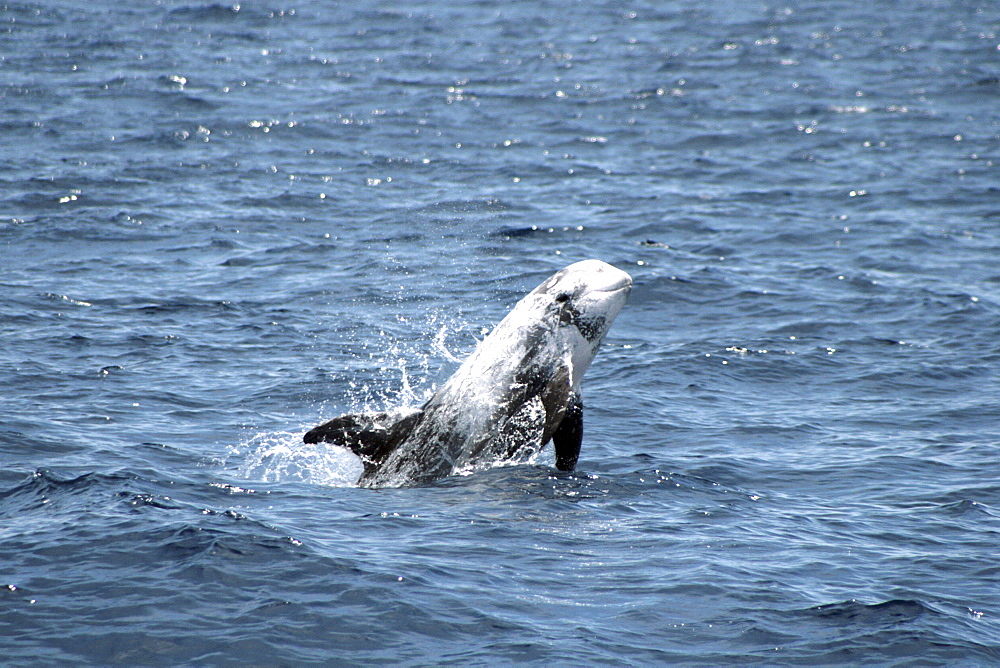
(223, 223)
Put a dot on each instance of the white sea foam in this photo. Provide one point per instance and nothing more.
(283, 457)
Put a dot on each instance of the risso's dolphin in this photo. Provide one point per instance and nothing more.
(516, 391)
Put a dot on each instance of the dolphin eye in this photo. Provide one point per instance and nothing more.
(567, 314)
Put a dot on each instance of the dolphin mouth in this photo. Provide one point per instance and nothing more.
(623, 283)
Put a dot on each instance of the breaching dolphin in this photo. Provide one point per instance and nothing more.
(516, 391)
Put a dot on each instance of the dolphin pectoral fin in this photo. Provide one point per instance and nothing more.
(569, 435)
(371, 436)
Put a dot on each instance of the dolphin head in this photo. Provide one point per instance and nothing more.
(585, 297)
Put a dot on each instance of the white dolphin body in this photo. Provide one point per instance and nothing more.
(516, 391)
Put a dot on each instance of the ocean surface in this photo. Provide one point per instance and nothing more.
(222, 223)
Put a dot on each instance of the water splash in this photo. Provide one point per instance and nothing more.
(283, 457)
(400, 373)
